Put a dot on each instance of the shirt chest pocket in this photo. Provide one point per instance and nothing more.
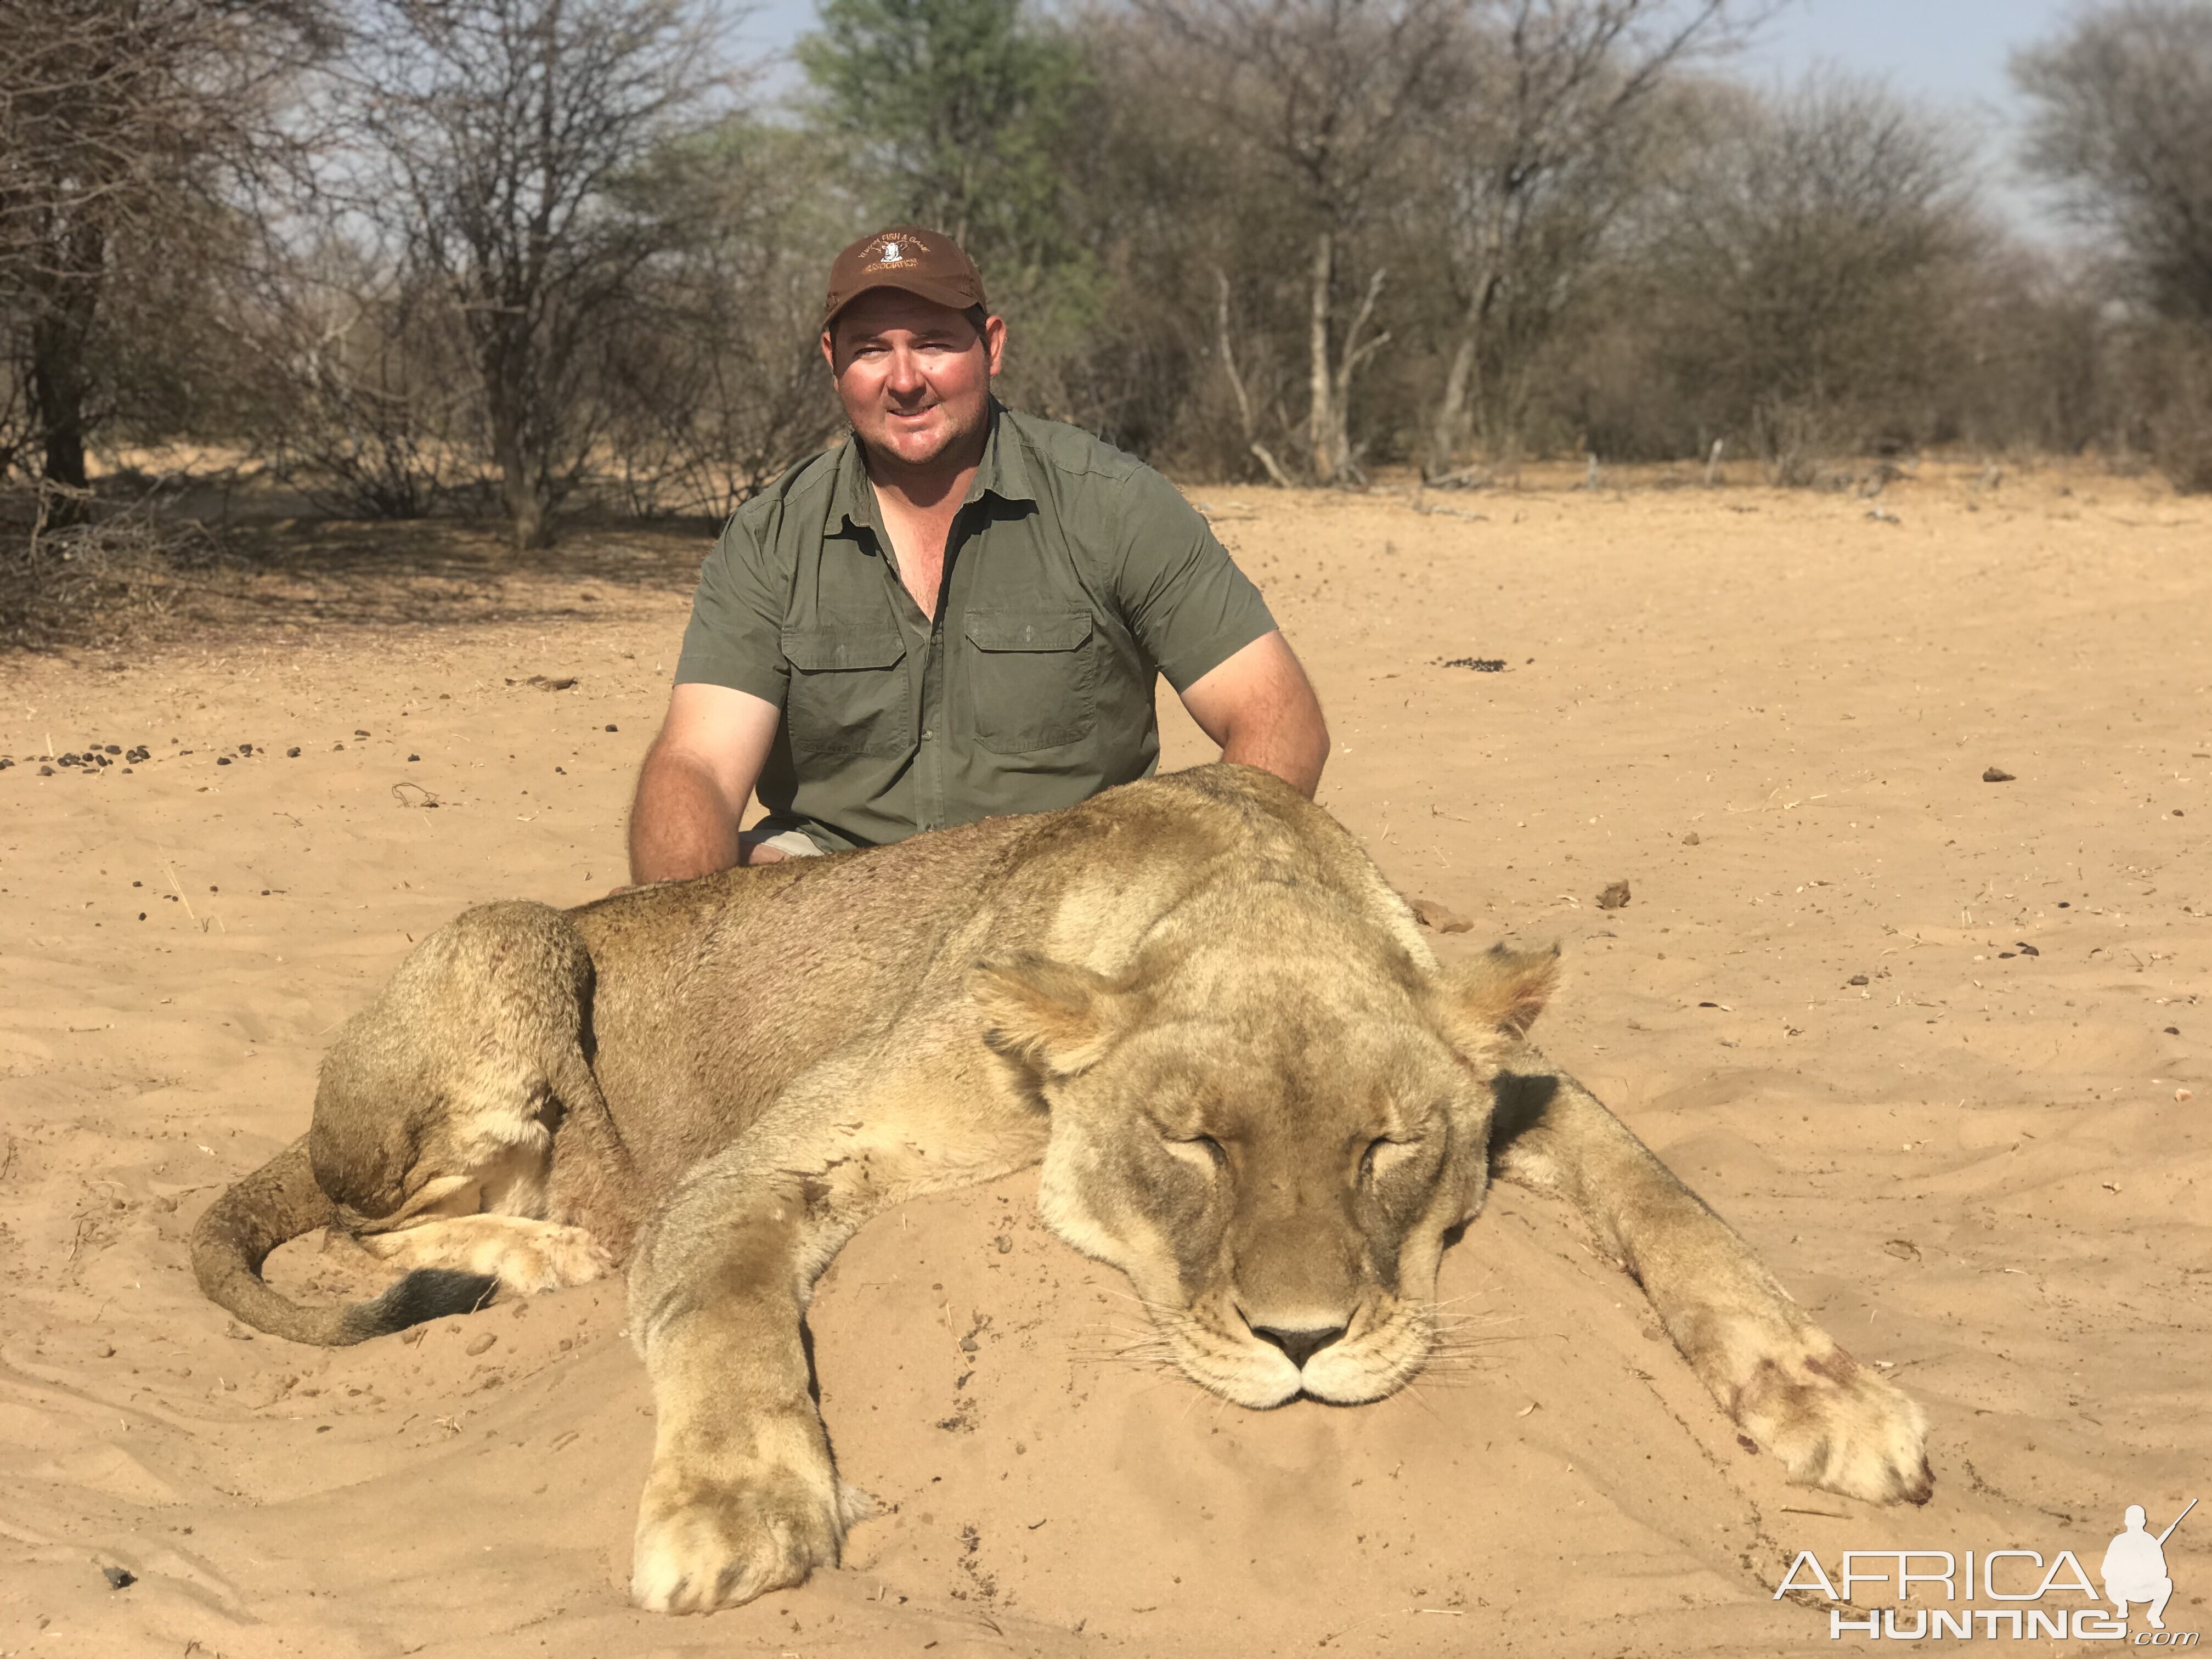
(848, 693)
(1032, 679)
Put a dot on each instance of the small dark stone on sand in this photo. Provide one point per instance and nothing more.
(413, 757)
(1614, 896)
(222, 760)
(246, 749)
(2173, 1030)
(291, 754)
(2027, 950)
(45, 771)
(1006, 1245)
(142, 915)
(2066, 904)
(358, 732)
(1856, 979)
(114, 749)
(1690, 840)
(610, 728)
(119, 1577)
(1997, 774)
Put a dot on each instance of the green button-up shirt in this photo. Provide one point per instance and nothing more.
(1073, 575)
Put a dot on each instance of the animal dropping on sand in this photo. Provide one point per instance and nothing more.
(1194, 1000)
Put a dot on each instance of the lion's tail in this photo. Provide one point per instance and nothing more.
(278, 1201)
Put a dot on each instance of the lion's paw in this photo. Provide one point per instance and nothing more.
(550, 1257)
(1837, 1424)
(720, 1547)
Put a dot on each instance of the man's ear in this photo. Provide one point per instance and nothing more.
(1058, 1019)
(1501, 991)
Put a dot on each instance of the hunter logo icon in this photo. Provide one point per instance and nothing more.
(2134, 1568)
(896, 253)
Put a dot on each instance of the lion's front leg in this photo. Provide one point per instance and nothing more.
(1784, 1380)
(744, 1497)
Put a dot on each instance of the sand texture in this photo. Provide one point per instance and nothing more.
(1936, 1045)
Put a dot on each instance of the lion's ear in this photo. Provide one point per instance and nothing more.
(1504, 990)
(1053, 1016)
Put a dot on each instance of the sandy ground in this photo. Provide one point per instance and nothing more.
(1936, 1045)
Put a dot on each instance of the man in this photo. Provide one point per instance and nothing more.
(2134, 1568)
(957, 614)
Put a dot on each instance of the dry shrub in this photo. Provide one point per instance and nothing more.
(2180, 429)
(77, 570)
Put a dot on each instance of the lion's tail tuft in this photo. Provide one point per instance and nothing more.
(278, 1201)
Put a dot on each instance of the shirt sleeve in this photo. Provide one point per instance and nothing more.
(1188, 604)
(736, 632)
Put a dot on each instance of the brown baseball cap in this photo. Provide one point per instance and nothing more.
(919, 262)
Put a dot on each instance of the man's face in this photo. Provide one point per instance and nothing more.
(915, 377)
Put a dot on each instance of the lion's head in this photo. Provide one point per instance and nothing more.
(1270, 1123)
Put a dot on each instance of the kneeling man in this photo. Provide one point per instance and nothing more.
(2134, 1568)
(957, 614)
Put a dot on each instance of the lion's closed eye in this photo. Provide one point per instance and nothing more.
(1200, 1152)
(1384, 1153)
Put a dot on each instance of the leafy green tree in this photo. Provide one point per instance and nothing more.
(951, 112)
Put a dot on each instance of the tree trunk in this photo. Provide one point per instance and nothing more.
(58, 387)
(1323, 418)
(521, 471)
(61, 377)
(1448, 430)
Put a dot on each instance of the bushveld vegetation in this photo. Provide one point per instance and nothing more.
(518, 258)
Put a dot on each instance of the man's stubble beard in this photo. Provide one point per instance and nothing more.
(959, 441)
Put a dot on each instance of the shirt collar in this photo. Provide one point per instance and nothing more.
(1003, 472)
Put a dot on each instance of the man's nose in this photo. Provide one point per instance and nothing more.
(906, 378)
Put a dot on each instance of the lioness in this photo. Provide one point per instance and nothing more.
(1194, 998)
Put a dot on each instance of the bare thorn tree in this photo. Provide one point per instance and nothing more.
(1537, 159)
(2124, 125)
(492, 135)
(1326, 94)
(125, 125)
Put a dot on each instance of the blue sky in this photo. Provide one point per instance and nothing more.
(1949, 54)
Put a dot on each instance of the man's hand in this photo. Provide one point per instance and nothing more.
(696, 781)
(1261, 709)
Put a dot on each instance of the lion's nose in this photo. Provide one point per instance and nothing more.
(1300, 1346)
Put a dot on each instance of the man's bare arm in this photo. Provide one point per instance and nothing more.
(697, 779)
(1261, 709)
